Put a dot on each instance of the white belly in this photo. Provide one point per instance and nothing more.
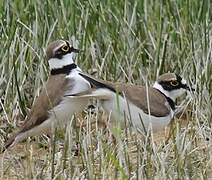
(59, 117)
(119, 109)
(63, 112)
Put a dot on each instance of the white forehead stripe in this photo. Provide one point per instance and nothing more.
(183, 81)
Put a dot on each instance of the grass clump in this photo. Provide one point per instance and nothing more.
(126, 41)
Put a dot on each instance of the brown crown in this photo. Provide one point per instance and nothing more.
(167, 77)
(52, 47)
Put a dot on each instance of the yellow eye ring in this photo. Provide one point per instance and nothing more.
(174, 83)
(65, 48)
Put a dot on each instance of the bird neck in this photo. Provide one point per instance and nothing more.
(55, 63)
(169, 99)
(64, 70)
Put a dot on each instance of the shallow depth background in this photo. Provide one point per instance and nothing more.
(125, 41)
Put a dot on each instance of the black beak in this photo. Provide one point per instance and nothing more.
(185, 86)
(75, 50)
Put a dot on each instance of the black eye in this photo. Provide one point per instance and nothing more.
(65, 48)
(174, 83)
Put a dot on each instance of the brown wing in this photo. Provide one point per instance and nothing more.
(139, 97)
(49, 97)
(136, 95)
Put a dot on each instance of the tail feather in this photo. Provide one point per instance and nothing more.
(102, 94)
(98, 83)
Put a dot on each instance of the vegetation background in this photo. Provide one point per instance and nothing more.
(127, 41)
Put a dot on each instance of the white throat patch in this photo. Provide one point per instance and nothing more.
(55, 63)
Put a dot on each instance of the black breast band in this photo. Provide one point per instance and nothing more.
(64, 70)
(169, 100)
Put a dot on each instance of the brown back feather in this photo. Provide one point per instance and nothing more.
(49, 97)
(137, 95)
(140, 95)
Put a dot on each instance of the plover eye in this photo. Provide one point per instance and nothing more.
(174, 83)
(65, 48)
